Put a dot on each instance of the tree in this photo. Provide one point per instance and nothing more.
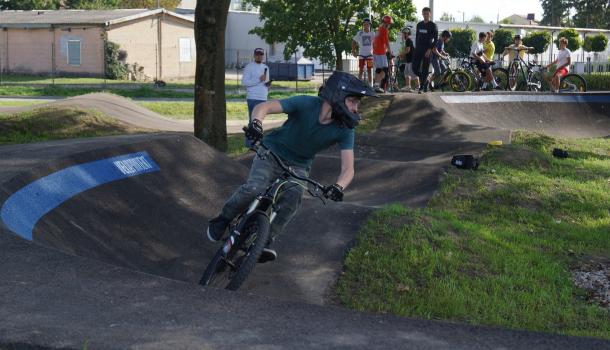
(502, 39)
(540, 41)
(30, 4)
(555, 12)
(477, 19)
(591, 13)
(149, 4)
(210, 103)
(92, 4)
(461, 41)
(573, 37)
(446, 17)
(324, 28)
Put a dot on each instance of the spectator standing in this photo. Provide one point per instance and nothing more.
(362, 47)
(426, 34)
(256, 81)
(406, 58)
(381, 46)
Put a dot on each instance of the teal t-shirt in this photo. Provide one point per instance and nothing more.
(302, 136)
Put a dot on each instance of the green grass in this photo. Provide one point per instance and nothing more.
(17, 103)
(56, 90)
(495, 246)
(184, 110)
(49, 123)
(372, 111)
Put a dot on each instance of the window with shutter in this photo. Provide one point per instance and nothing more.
(185, 50)
(74, 52)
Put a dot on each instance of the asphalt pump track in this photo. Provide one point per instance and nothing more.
(102, 243)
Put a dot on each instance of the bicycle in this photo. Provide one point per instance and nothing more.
(457, 80)
(250, 233)
(499, 74)
(530, 72)
(572, 82)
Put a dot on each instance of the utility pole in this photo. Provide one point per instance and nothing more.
(432, 9)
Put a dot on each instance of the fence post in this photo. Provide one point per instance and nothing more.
(237, 87)
(53, 60)
(296, 80)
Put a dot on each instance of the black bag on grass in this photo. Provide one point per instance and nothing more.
(560, 153)
(465, 161)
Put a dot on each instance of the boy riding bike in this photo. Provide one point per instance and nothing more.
(563, 62)
(314, 124)
(483, 63)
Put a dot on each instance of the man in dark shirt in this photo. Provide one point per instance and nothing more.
(426, 34)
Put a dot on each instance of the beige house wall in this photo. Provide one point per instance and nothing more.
(3, 50)
(140, 40)
(92, 51)
(172, 64)
(29, 51)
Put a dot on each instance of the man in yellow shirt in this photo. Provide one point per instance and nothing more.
(489, 48)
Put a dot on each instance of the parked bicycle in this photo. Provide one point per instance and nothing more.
(500, 75)
(524, 75)
(455, 80)
(250, 233)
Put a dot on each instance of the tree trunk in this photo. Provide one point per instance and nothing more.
(338, 59)
(210, 102)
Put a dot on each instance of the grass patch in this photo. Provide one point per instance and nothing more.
(50, 123)
(184, 110)
(56, 90)
(16, 103)
(494, 246)
(372, 110)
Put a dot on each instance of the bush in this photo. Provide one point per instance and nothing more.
(114, 68)
(573, 37)
(502, 39)
(595, 43)
(600, 82)
(461, 40)
(538, 40)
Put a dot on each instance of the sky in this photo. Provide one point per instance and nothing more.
(488, 9)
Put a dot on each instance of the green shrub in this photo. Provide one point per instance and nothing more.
(461, 40)
(597, 81)
(115, 69)
(574, 41)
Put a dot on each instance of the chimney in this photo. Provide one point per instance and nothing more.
(531, 16)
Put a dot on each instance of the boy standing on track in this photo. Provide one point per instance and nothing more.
(362, 46)
(438, 57)
(256, 81)
(426, 34)
(406, 59)
(381, 45)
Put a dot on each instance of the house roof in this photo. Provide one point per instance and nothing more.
(48, 18)
(521, 20)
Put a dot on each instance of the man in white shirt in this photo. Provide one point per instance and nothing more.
(362, 46)
(563, 62)
(477, 54)
(256, 81)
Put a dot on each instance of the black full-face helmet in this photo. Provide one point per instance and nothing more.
(339, 86)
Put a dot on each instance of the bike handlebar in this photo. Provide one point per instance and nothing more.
(284, 167)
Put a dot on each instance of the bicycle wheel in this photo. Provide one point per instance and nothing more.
(459, 81)
(501, 77)
(513, 76)
(230, 269)
(573, 83)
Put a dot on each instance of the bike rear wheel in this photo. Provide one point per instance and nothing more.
(229, 269)
(573, 82)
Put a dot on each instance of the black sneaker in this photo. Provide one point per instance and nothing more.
(267, 255)
(217, 228)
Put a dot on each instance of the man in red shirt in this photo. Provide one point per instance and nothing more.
(381, 45)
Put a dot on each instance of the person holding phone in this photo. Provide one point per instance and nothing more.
(256, 81)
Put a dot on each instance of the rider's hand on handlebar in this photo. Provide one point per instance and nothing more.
(334, 192)
(254, 131)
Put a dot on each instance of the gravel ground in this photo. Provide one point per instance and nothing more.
(594, 277)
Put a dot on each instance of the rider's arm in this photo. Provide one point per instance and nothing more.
(270, 107)
(347, 168)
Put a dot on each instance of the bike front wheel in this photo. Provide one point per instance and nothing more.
(234, 261)
(459, 81)
(573, 83)
(501, 77)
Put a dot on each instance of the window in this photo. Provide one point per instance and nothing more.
(74, 52)
(185, 50)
